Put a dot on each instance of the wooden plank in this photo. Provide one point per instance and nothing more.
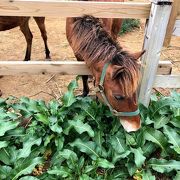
(167, 81)
(176, 31)
(43, 67)
(73, 8)
(58, 67)
(164, 68)
(153, 42)
(171, 23)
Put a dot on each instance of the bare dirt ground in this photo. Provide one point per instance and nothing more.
(13, 45)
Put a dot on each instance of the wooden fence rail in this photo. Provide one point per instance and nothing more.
(59, 67)
(74, 8)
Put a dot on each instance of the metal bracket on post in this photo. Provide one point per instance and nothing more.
(153, 43)
(162, 2)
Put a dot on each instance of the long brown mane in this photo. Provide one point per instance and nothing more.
(93, 44)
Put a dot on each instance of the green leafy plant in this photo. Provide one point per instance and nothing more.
(129, 24)
(79, 138)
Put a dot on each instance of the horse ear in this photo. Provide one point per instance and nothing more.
(117, 70)
(137, 55)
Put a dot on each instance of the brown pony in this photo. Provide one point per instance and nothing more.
(116, 72)
(9, 22)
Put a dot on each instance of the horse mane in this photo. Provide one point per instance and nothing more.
(92, 43)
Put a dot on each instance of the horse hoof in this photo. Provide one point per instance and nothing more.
(82, 95)
(48, 58)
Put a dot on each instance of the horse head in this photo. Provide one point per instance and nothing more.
(116, 83)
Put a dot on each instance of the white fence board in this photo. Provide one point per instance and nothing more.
(73, 8)
(167, 81)
(58, 67)
(176, 31)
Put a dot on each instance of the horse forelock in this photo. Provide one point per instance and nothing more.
(130, 77)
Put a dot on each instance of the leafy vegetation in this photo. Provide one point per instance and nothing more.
(129, 24)
(79, 138)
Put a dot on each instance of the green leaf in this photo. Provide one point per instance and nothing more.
(6, 126)
(54, 106)
(28, 167)
(86, 147)
(130, 140)
(177, 177)
(156, 137)
(28, 178)
(175, 122)
(160, 121)
(59, 141)
(26, 150)
(3, 144)
(56, 128)
(139, 158)
(147, 175)
(8, 155)
(131, 168)
(89, 111)
(89, 169)
(104, 163)
(118, 157)
(42, 118)
(177, 112)
(69, 97)
(48, 139)
(174, 138)
(81, 162)
(163, 166)
(80, 127)
(98, 138)
(118, 143)
(162, 103)
(5, 172)
(85, 177)
(69, 155)
(148, 148)
(60, 171)
(2, 102)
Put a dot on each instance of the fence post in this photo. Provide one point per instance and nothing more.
(171, 23)
(153, 42)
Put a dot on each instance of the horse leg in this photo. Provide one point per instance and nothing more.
(41, 24)
(84, 79)
(116, 26)
(28, 36)
(85, 85)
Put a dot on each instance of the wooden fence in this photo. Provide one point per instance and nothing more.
(173, 27)
(157, 12)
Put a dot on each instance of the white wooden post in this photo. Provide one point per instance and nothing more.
(153, 42)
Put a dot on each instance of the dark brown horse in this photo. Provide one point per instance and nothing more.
(111, 25)
(9, 22)
(116, 72)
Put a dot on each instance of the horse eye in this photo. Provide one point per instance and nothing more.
(119, 98)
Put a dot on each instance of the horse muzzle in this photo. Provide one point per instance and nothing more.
(131, 124)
